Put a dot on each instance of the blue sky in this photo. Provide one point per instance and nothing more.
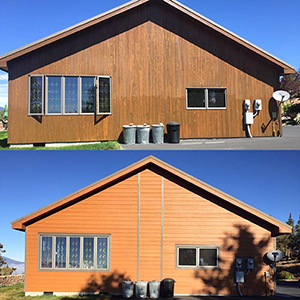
(267, 180)
(272, 25)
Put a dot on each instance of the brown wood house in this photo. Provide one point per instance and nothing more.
(147, 61)
(147, 221)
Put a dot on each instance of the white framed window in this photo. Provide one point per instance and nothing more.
(199, 256)
(74, 252)
(206, 98)
(69, 95)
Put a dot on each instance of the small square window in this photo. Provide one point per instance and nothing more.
(208, 257)
(196, 98)
(187, 257)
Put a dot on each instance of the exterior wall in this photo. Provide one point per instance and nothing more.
(147, 215)
(153, 53)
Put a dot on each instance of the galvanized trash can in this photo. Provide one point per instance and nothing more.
(143, 132)
(168, 288)
(141, 289)
(158, 133)
(173, 129)
(154, 289)
(129, 133)
(127, 289)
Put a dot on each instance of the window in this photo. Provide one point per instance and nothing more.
(74, 252)
(203, 256)
(206, 98)
(69, 95)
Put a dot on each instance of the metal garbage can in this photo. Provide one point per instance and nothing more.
(158, 133)
(168, 288)
(141, 289)
(127, 289)
(143, 132)
(173, 129)
(154, 289)
(129, 133)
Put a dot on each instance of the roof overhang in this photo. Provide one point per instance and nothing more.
(21, 223)
(287, 69)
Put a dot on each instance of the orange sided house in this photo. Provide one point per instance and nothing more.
(149, 221)
(146, 61)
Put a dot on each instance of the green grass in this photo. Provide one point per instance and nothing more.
(113, 145)
(16, 292)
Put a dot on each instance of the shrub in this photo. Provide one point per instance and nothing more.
(297, 119)
(294, 110)
(284, 275)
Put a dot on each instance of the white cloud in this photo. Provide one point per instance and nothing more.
(3, 76)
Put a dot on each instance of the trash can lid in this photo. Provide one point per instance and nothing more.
(129, 126)
(143, 126)
(173, 123)
(169, 279)
(158, 125)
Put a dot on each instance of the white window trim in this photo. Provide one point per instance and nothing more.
(68, 269)
(197, 247)
(206, 98)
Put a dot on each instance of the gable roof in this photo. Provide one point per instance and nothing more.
(130, 5)
(150, 161)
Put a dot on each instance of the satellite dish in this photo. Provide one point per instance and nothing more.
(275, 255)
(281, 96)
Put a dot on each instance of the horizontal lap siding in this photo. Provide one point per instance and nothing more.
(152, 53)
(113, 211)
(192, 220)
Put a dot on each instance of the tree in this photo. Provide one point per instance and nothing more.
(291, 84)
(4, 268)
(287, 242)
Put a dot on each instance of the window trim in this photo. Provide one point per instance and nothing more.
(68, 236)
(79, 96)
(197, 247)
(29, 94)
(206, 107)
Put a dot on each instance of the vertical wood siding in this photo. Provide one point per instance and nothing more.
(188, 219)
(153, 53)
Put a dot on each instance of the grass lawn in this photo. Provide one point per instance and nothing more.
(15, 292)
(99, 146)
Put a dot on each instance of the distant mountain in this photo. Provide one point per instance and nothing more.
(20, 266)
(1, 108)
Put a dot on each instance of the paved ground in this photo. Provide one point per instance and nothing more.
(289, 141)
(285, 290)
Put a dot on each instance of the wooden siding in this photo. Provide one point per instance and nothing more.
(153, 53)
(130, 211)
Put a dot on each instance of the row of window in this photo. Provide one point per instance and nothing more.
(75, 252)
(76, 95)
(69, 95)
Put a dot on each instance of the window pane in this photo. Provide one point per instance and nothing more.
(216, 98)
(36, 95)
(54, 94)
(87, 94)
(61, 250)
(74, 258)
(102, 253)
(46, 261)
(71, 95)
(104, 95)
(88, 253)
(187, 257)
(196, 98)
(208, 257)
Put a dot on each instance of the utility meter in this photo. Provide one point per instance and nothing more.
(247, 104)
(257, 104)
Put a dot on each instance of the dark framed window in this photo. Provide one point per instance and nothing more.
(206, 98)
(200, 256)
(73, 252)
(69, 95)
(36, 95)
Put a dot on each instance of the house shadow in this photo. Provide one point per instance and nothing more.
(222, 280)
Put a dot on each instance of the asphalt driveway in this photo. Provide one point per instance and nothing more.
(289, 141)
